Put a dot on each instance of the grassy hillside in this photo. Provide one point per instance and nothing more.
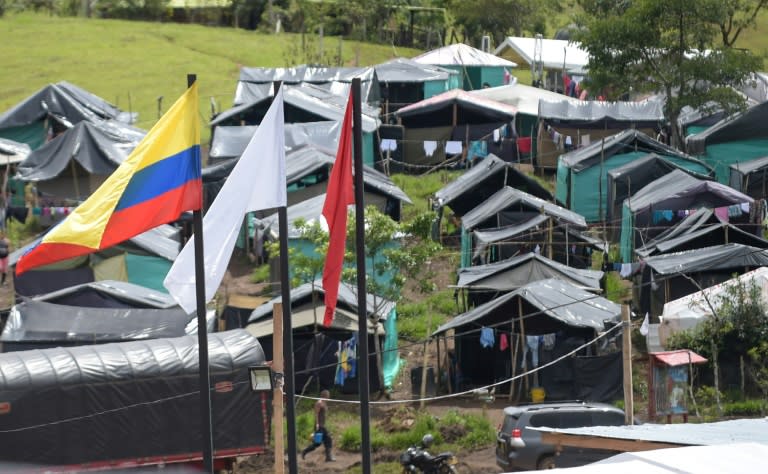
(133, 63)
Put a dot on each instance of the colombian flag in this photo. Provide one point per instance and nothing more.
(158, 182)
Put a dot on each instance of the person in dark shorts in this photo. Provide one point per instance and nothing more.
(321, 434)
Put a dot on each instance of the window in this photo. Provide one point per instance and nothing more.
(607, 418)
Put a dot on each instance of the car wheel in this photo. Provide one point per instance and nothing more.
(546, 462)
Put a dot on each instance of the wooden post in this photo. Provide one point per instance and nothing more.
(277, 395)
(549, 239)
(515, 344)
(523, 343)
(626, 356)
(425, 360)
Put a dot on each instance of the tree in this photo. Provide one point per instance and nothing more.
(666, 47)
(499, 18)
(740, 15)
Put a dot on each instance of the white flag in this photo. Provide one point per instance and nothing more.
(256, 182)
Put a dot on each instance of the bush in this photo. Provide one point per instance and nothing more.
(744, 408)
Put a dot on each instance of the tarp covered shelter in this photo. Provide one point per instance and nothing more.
(316, 347)
(751, 177)
(143, 260)
(686, 313)
(700, 229)
(477, 68)
(304, 103)
(734, 139)
(12, 152)
(552, 55)
(572, 124)
(403, 81)
(142, 391)
(76, 162)
(665, 201)
(543, 307)
(480, 182)
(257, 83)
(663, 278)
(55, 108)
(625, 180)
(456, 116)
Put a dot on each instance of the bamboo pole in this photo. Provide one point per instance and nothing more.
(277, 396)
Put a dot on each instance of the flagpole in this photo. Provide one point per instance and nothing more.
(285, 292)
(202, 333)
(362, 306)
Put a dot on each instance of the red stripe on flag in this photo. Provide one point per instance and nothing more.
(41, 255)
(340, 194)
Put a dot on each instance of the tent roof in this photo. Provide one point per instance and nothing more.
(256, 83)
(347, 298)
(717, 257)
(47, 322)
(494, 111)
(650, 163)
(407, 70)
(481, 181)
(627, 141)
(12, 152)
(646, 113)
(342, 321)
(98, 149)
(507, 197)
(229, 141)
(751, 166)
(745, 125)
(716, 233)
(551, 298)
(461, 54)
(130, 293)
(554, 53)
(678, 357)
(162, 241)
(309, 98)
(681, 186)
(523, 97)
(101, 363)
(518, 271)
(66, 102)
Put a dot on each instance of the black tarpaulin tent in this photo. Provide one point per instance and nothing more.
(403, 81)
(751, 177)
(56, 107)
(76, 162)
(130, 402)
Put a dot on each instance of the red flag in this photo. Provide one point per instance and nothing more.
(339, 195)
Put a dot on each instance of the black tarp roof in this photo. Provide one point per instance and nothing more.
(470, 109)
(98, 149)
(303, 103)
(66, 102)
(679, 190)
(507, 197)
(256, 83)
(598, 114)
(109, 363)
(515, 272)
(481, 181)
(347, 298)
(407, 70)
(552, 304)
(626, 141)
(12, 152)
(705, 236)
(718, 257)
(747, 125)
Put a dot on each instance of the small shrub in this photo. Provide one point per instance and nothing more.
(744, 408)
(260, 274)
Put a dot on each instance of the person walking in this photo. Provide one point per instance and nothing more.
(321, 434)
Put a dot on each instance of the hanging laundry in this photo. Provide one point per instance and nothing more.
(532, 344)
(549, 341)
(503, 342)
(388, 144)
(745, 207)
(734, 210)
(524, 144)
(487, 338)
(722, 214)
(453, 147)
(626, 270)
(429, 147)
(644, 327)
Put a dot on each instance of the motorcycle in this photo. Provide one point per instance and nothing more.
(416, 459)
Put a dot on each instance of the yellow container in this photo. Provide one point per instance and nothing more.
(537, 394)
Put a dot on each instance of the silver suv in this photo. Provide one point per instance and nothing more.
(518, 447)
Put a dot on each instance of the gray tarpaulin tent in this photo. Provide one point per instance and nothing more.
(57, 107)
(569, 316)
(89, 407)
(751, 177)
(480, 182)
(663, 277)
(256, 83)
(738, 138)
(586, 122)
(700, 229)
(12, 152)
(633, 176)
(582, 181)
(655, 207)
(515, 272)
(403, 81)
(76, 162)
(478, 69)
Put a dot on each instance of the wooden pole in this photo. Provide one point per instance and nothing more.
(277, 396)
(523, 343)
(626, 356)
(513, 356)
